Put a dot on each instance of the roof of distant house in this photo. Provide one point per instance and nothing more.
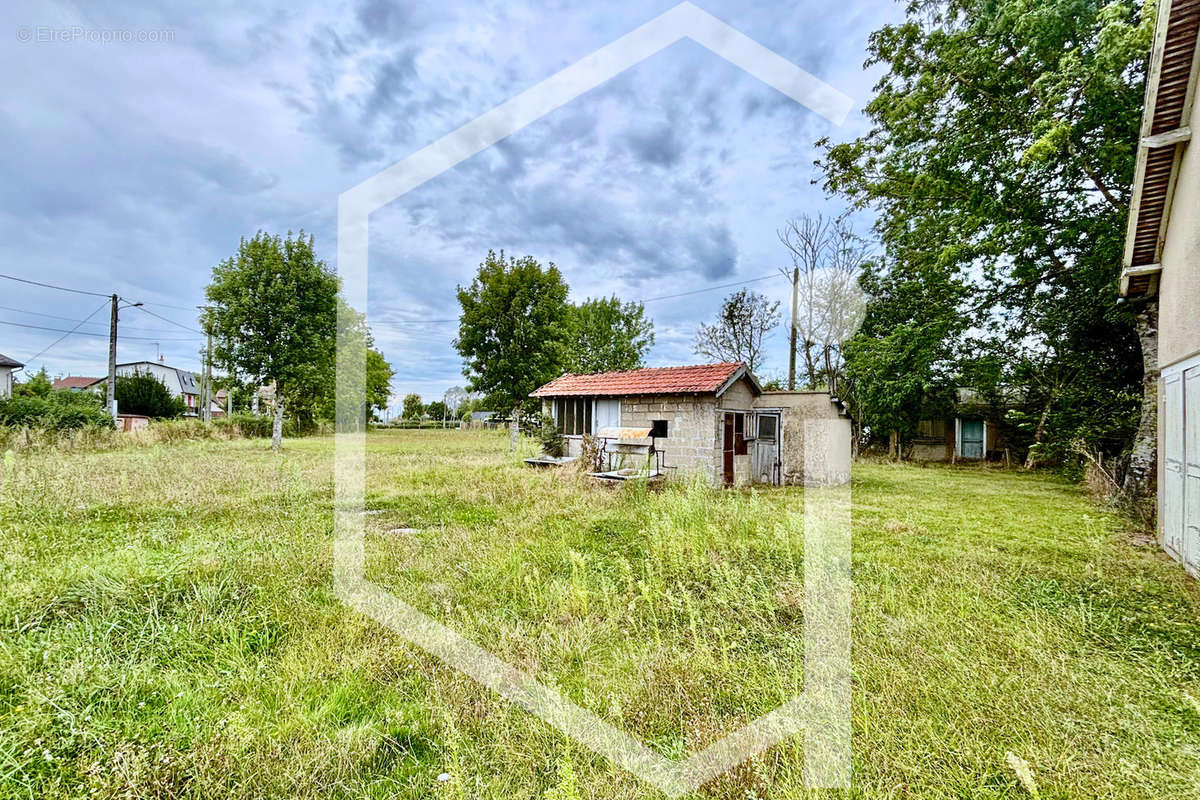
(74, 382)
(700, 379)
(5, 361)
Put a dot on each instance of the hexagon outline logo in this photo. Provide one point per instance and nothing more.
(822, 712)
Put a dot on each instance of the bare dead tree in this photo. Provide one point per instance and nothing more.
(827, 303)
(808, 240)
(743, 322)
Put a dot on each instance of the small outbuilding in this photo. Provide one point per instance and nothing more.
(711, 419)
(7, 367)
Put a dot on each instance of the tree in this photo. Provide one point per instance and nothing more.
(378, 382)
(38, 385)
(513, 329)
(273, 315)
(413, 407)
(827, 304)
(142, 393)
(999, 162)
(609, 335)
(437, 410)
(453, 399)
(744, 320)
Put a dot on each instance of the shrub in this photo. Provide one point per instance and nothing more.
(548, 436)
(145, 394)
(252, 426)
(54, 411)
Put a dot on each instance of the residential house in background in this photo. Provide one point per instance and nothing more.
(182, 383)
(74, 383)
(712, 419)
(7, 365)
(1161, 269)
(970, 431)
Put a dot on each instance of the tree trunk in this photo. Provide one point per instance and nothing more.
(277, 423)
(894, 445)
(514, 430)
(1143, 458)
(1039, 433)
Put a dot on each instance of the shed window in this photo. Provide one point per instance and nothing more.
(739, 434)
(658, 429)
(768, 425)
(574, 415)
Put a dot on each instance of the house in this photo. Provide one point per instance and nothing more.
(1161, 270)
(970, 431)
(182, 383)
(73, 383)
(713, 420)
(7, 365)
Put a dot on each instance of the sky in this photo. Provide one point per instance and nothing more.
(140, 142)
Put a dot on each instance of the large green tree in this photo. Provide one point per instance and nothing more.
(513, 329)
(609, 335)
(273, 311)
(379, 382)
(999, 161)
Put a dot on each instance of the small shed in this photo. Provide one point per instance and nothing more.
(7, 366)
(710, 419)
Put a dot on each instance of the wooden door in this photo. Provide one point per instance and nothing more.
(1173, 481)
(727, 441)
(971, 445)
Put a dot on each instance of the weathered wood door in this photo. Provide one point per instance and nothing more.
(727, 441)
(766, 449)
(971, 445)
(1174, 481)
(1191, 469)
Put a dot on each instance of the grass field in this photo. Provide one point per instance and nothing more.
(168, 629)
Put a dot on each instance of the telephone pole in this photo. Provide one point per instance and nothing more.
(795, 279)
(110, 388)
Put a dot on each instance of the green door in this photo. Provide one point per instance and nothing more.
(971, 445)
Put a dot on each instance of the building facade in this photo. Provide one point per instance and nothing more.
(1161, 270)
(712, 420)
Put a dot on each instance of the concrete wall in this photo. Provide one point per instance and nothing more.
(831, 454)
(691, 431)
(1179, 283)
(6, 381)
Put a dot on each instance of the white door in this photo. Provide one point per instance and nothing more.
(608, 414)
(1173, 476)
(1191, 470)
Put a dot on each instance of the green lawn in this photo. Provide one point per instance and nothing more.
(168, 628)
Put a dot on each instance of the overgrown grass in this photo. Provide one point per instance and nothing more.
(168, 629)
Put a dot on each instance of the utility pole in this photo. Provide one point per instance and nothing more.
(110, 389)
(792, 348)
(208, 392)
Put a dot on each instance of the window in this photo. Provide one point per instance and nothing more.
(573, 415)
(607, 414)
(768, 426)
(658, 429)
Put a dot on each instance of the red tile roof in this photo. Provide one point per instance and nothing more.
(74, 382)
(702, 379)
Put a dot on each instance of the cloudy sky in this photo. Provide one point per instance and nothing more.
(134, 166)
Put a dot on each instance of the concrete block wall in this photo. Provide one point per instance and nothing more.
(690, 441)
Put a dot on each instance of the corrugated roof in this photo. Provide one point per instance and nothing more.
(701, 379)
(1164, 132)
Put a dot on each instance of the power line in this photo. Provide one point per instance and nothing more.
(72, 319)
(68, 333)
(171, 321)
(76, 330)
(706, 289)
(52, 286)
